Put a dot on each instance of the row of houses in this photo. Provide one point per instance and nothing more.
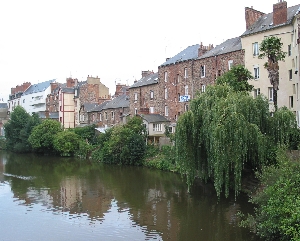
(161, 97)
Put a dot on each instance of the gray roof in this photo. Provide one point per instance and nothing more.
(35, 88)
(89, 106)
(118, 102)
(68, 90)
(190, 52)
(265, 22)
(230, 45)
(3, 105)
(98, 108)
(52, 115)
(147, 80)
(152, 118)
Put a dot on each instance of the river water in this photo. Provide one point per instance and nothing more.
(51, 198)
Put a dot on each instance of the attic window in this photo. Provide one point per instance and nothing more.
(262, 26)
(271, 24)
(222, 48)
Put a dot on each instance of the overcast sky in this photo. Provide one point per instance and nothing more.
(115, 40)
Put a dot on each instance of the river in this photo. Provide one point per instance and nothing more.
(52, 198)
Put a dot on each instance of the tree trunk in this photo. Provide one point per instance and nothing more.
(273, 70)
(275, 98)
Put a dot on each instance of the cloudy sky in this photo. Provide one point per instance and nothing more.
(115, 40)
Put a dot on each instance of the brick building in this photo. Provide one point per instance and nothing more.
(144, 94)
(189, 72)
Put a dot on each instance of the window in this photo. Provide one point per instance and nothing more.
(230, 64)
(297, 93)
(290, 74)
(135, 111)
(289, 50)
(185, 73)
(112, 115)
(186, 107)
(178, 79)
(166, 76)
(23, 100)
(294, 89)
(186, 90)
(82, 117)
(156, 127)
(256, 92)
(291, 100)
(100, 117)
(202, 71)
(256, 72)
(151, 110)
(166, 111)
(151, 94)
(135, 96)
(166, 93)
(105, 113)
(60, 119)
(93, 117)
(203, 88)
(270, 90)
(255, 49)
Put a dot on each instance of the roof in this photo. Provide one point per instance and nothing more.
(230, 45)
(52, 115)
(265, 22)
(89, 106)
(190, 52)
(151, 118)
(147, 80)
(98, 108)
(3, 105)
(38, 87)
(69, 90)
(118, 102)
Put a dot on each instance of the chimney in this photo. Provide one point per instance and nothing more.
(279, 12)
(70, 82)
(203, 49)
(146, 73)
(251, 16)
(54, 85)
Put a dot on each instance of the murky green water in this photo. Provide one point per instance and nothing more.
(50, 198)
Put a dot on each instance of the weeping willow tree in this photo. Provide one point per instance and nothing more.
(224, 130)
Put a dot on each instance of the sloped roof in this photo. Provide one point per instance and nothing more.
(118, 102)
(98, 108)
(89, 106)
(147, 80)
(152, 118)
(52, 115)
(3, 106)
(190, 52)
(35, 88)
(265, 22)
(70, 90)
(230, 45)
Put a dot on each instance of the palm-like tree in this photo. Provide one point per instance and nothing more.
(271, 47)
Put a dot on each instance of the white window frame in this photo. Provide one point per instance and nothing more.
(166, 110)
(203, 87)
(151, 94)
(157, 127)
(256, 92)
(230, 64)
(166, 93)
(135, 111)
(185, 73)
(270, 94)
(255, 49)
(151, 109)
(166, 76)
(202, 71)
(100, 117)
(256, 72)
(135, 97)
(186, 90)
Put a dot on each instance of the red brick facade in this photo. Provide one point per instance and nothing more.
(251, 16)
(280, 12)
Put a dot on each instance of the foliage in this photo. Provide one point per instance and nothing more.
(223, 131)
(124, 144)
(42, 136)
(66, 143)
(271, 47)
(2, 143)
(87, 133)
(237, 78)
(277, 216)
(18, 129)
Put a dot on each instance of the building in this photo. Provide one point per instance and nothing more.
(95, 115)
(283, 22)
(67, 107)
(144, 94)
(33, 98)
(15, 95)
(4, 116)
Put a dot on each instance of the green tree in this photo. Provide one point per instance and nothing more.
(226, 130)
(87, 133)
(42, 136)
(277, 216)
(66, 143)
(14, 138)
(237, 77)
(271, 47)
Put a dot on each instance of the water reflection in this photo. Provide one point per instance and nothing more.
(111, 202)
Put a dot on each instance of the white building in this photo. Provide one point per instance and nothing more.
(34, 98)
